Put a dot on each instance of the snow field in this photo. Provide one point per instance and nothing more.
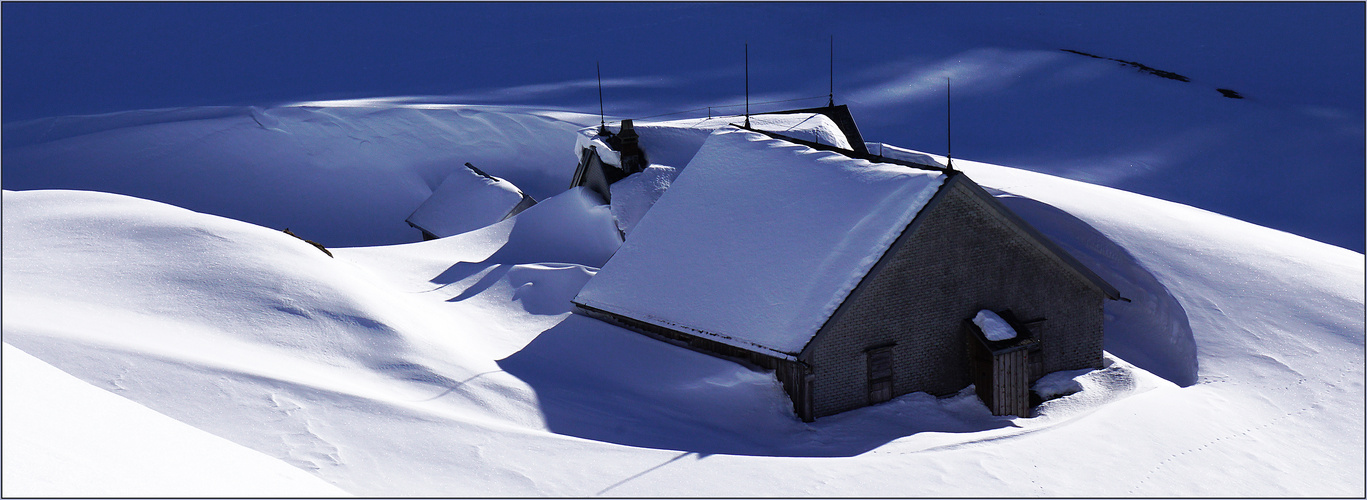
(74, 439)
(454, 368)
(338, 175)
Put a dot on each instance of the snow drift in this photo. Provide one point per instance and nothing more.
(72, 439)
(454, 368)
(341, 176)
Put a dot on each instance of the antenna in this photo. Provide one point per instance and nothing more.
(747, 85)
(949, 127)
(602, 121)
(831, 103)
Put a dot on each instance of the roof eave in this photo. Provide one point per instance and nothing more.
(626, 321)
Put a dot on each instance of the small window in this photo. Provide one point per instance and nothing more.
(880, 374)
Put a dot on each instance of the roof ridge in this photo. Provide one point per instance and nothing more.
(849, 153)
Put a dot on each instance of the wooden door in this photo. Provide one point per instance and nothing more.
(880, 374)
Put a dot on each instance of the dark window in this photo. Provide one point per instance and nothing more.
(880, 374)
(1036, 351)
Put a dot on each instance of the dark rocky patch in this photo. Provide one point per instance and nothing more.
(1139, 66)
(311, 242)
(1230, 94)
(1153, 71)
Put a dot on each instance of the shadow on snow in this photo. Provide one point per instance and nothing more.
(1151, 331)
(600, 382)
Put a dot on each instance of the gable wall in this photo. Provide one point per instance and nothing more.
(596, 175)
(960, 258)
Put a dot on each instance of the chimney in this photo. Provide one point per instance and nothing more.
(633, 159)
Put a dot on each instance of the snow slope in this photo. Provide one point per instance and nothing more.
(1286, 155)
(339, 173)
(71, 439)
(453, 367)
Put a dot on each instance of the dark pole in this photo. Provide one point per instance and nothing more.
(747, 85)
(831, 103)
(602, 121)
(949, 127)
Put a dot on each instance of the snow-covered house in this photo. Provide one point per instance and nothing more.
(466, 200)
(855, 281)
(610, 154)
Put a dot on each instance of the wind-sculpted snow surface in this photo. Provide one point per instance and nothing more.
(80, 441)
(633, 196)
(1148, 328)
(338, 175)
(454, 367)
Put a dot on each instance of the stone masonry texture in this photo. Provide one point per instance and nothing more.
(961, 257)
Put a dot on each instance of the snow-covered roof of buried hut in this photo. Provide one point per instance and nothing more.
(758, 241)
(673, 143)
(464, 202)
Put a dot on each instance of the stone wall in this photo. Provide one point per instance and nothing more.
(959, 257)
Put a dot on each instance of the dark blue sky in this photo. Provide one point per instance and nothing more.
(80, 58)
(1023, 102)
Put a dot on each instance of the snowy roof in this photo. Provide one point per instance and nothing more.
(758, 241)
(896, 153)
(993, 326)
(466, 201)
(673, 143)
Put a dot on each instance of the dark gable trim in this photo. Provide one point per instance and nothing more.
(842, 118)
(596, 175)
(581, 170)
